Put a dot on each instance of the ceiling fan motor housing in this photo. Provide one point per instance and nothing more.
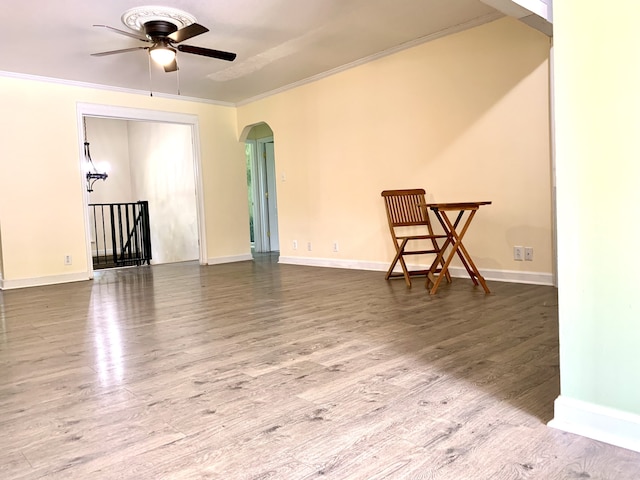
(159, 28)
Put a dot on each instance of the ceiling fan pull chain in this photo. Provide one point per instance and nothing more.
(150, 83)
(178, 80)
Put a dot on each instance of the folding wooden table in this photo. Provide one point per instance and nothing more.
(454, 238)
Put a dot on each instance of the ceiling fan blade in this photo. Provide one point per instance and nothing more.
(172, 67)
(187, 32)
(122, 50)
(122, 32)
(207, 52)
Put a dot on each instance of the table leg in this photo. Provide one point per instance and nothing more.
(458, 247)
(432, 280)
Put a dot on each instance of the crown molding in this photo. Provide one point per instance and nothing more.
(476, 22)
(413, 43)
(98, 86)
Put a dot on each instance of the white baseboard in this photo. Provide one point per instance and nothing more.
(534, 278)
(458, 272)
(513, 276)
(597, 422)
(8, 284)
(230, 259)
(334, 263)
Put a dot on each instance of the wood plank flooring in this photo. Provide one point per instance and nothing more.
(256, 370)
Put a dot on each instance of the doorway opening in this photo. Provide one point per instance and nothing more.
(261, 186)
(151, 157)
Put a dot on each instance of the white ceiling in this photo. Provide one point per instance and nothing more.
(278, 42)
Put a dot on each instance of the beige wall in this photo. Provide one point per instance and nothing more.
(1, 266)
(465, 117)
(42, 187)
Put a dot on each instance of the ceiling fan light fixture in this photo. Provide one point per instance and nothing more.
(162, 54)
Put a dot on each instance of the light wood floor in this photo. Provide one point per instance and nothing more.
(256, 370)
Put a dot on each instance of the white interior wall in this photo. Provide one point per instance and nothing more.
(109, 149)
(162, 172)
(154, 162)
(109, 144)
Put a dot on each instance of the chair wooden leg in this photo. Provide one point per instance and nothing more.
(399, 250)
(432, 270)
(393, 265)
(399, 258)
(405, 270)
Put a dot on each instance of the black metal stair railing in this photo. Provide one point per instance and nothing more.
(120, 234)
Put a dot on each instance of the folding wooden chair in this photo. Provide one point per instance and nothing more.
(406, 210)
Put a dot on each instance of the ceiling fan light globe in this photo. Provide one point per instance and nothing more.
(163, 55)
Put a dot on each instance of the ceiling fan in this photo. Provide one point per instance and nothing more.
(166, 39)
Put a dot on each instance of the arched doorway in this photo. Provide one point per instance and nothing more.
(261, 186)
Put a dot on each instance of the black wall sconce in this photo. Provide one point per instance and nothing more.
(92, 175)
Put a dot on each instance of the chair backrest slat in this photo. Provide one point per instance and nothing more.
(403, 207)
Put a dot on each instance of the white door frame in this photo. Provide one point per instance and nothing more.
(260, 238)
(261, 221)
(126, 113)
(262, 190)
(255, 193)
(272, 198)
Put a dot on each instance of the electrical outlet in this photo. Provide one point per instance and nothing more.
(68, 260)
(335, 246)
(295, 244)
(518, 253)
(528, 254)
(309, 246)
